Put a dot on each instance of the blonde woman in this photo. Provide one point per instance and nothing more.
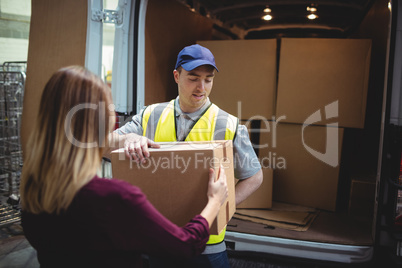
(74, 218)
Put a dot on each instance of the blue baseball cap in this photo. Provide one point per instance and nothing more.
(193, 56)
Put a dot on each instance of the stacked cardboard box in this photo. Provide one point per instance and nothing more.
(306, 163)
(247, 73)
(316, 74)
(322, 87)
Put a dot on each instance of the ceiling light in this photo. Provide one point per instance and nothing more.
(267, 10)
(312, 16)
(311, 9)
(389, 6)
(267, 17)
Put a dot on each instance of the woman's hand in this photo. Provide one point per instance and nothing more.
(217, 194)
(217, 189)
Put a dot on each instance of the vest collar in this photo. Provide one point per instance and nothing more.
(195, 115)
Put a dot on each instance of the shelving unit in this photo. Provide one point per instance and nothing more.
(12, 85)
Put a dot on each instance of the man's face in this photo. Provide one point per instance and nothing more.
(194, 87)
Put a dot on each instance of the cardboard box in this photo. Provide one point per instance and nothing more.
(247, 73)
(317, 72)
(262, 197)
(306, 163)
(175, 178)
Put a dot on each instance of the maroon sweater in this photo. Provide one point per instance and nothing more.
(109, 224)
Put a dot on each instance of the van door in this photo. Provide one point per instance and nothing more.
(129, 58)
(389, 195)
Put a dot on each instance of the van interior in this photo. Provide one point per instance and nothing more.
(350, 220)
(285, 45)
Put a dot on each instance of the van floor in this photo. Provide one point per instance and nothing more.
(328, 227)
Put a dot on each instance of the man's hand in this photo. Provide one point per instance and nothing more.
(136, 147)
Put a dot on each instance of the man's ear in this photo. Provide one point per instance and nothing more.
(176, 75)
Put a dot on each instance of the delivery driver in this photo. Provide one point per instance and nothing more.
(182, 119)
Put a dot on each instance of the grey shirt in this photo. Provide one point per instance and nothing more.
(245, 161)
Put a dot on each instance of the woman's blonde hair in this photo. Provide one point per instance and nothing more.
(65, 148)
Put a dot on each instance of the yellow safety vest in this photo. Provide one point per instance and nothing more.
(159, 124)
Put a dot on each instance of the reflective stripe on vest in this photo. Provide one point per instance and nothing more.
(159, 124)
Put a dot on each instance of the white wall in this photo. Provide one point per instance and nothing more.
(13, 49)
(19, 7)
(14, 29)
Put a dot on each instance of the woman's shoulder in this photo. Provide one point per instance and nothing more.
(106, 187)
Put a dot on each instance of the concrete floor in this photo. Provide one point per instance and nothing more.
(15, 251)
